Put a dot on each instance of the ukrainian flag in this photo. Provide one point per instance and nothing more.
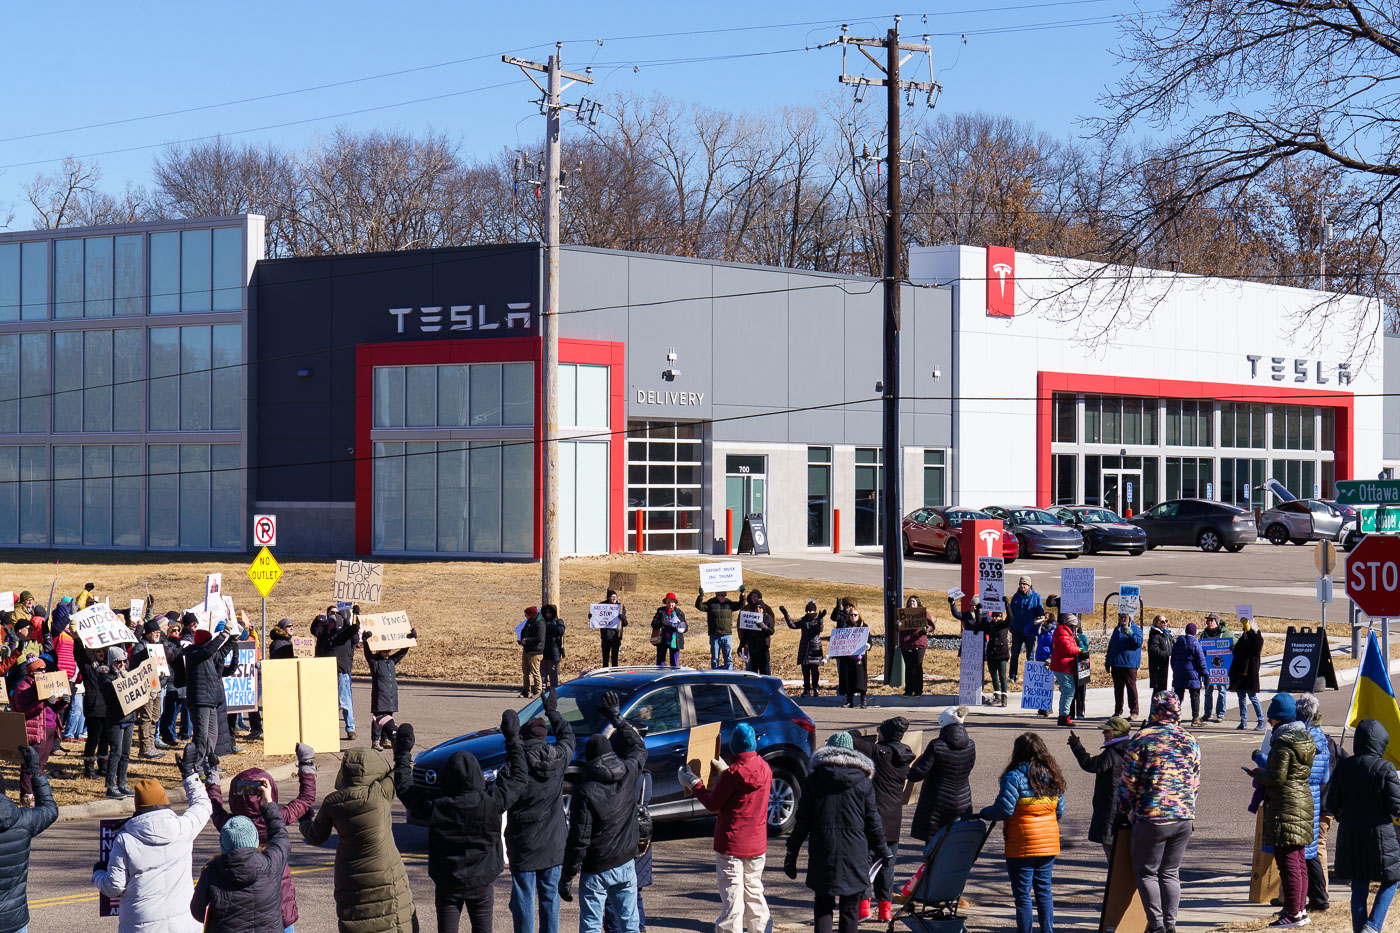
(1374, 698)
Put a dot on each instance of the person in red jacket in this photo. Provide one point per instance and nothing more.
(740, 797)
(1064, 661)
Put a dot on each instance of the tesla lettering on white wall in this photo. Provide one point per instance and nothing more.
(475, 318)
(662, 397)
(1301, 371)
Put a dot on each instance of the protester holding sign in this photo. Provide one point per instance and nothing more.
(206, 663)
(1123, 660)
(40, 723)
(996, 651)
(755, 642)
(719, 623)
(1244, 673)
(809, 645)
(1189, 670)
(1027, 609)
(553, 646)
(1215, 688)
(119, 725)
(913, 642)
(668, 628)
(611, 638)
(152, 645)
(94, 710)
(852, 667)
(383, 693)
(1064, 662)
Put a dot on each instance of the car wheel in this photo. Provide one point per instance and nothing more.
(1134, 552)
(1208, 540)
(1089, 546)
(1024, 548)
(1302, 541)
(952, 551)
(908, 547)
(783, 795)
(1277, 534)
(1234, 548)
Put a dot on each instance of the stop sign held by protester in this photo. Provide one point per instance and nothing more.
(1373, 576)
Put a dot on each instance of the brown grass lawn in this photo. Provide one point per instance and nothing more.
(1335, 920)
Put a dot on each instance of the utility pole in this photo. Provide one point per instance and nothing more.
(892, 454)
(551, 106)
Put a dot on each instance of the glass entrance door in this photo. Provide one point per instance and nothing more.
(745, 487)
(1122, 491)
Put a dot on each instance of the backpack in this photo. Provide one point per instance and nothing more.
(643, 815)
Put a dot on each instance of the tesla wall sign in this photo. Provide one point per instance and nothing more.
(1282, 369)
(516, 319)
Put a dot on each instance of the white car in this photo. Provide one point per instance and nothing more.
(1301, 521)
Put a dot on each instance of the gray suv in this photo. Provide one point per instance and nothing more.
(1301, 521)
(1202, 523)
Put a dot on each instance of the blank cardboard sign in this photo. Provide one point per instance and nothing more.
(307, 686)
(702, 751)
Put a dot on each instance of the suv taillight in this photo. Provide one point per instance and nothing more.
(805, 723)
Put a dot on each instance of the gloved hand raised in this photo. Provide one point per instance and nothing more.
(306, 757)
(688, 778)
(550, 701)
(403, 740)
(510, 725)
(610, 707)
(188, 761)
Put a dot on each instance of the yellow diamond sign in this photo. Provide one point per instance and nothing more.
(265, 572)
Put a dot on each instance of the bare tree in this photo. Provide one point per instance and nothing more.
(220, 178)
(70, 197)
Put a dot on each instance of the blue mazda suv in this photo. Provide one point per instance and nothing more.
(664, 703)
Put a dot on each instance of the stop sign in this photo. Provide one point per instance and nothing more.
(1373, 576)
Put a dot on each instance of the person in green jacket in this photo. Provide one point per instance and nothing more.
(1216, 693)
(1288, 805)
(719, 620)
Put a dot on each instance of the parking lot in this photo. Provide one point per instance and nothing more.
(1278, 581)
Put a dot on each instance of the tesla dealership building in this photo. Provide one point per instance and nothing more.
(168, 383)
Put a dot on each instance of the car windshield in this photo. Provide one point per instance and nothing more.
(583, 717)
(1099, 515)
(1033, 517)
(956, 516)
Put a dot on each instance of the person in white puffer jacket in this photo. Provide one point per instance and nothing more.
(150, 863)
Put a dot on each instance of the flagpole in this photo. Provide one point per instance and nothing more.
(1356, 684)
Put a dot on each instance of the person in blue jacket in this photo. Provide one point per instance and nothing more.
(1026, 608)
(1124, 658)
(1189, 670)
(1042, 636)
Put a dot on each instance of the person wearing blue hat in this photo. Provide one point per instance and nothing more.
(740, 798)
(242, 888)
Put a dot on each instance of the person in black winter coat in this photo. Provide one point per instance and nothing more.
(1364, 795)
(851, 669)
(17, 827)
(944, 770)
(603, 830)
(464, 825)
(1159, 654)
(94, 711)
(892, 759)
(755, 642)
(205, 664)
(384, 692)
(336, 636)
(996, 651)
(241, 890)
(1244, 673)
(535, 827)
(809, 645)
(553, 646)
(838, 818)
(119, 727)
(279, 641)
(611, 638)
(1107, 768)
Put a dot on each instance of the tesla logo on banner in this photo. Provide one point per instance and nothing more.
(1001, 281)
(991, 538)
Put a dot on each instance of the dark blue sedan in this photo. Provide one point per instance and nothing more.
(664, 703)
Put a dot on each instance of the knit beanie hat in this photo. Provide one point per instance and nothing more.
(24, 595)
(151, 626)
(149, 793)
(596, 747)
(953, 714)
(1283, 707)
(840, 740)
(115, 653)
(1190, 628)
(742, 739)
(536, 728)
(893, 729)
(811, 605)
(1118, 726)
(238, 833)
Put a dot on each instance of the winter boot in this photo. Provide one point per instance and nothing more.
(886, 911)
(864, 908)
(87, 766)
(121, 778)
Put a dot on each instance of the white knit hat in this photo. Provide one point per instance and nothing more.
(953, 714)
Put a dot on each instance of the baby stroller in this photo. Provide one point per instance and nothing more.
(931, 905)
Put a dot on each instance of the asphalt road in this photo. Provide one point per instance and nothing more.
(683, 896)
(1279, 582)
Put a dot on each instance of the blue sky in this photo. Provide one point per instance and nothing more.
(1047, 64)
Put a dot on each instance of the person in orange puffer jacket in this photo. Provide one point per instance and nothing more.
(1029, 806)
(1064, 662)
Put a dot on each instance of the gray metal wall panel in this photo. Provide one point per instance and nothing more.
(749, 342)
(1391, 406)
(654, 329)
(588, 282)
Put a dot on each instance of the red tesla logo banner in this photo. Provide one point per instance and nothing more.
(1001, 281)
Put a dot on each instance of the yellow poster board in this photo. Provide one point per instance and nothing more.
(308, 686)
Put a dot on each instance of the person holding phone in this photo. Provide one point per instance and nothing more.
(241, 889)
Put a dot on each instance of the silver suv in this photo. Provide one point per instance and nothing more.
(1301, 521)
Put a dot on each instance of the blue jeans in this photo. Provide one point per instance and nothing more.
(1376, 919)
(721, 647)
(1031, 880)
(610, 924)
(290, 929)
(527, 887)
(77, 723)
(343, 681)
(1215, 699)
(617, 889)
(1252, 698)
(1066, 684)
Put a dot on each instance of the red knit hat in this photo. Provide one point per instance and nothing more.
(671, 597)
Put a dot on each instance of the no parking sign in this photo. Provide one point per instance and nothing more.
(265, 530)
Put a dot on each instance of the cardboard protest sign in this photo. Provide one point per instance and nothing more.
(915, 741)
(1077, 589)
(51, 684)
(134, 688)
(702, 750)
(1038, 687)
(970, 669)
(622, 582)
(106, 835)
(1218, 651)
(13, 736)
(359, 581)
(304, 691)
(304, 646)
(913, 617)
(847, 642)
(214, 597)
(7, 601)
(98, 626)
(138, 609)
(991, 582)
(1122, 904)
(753, 621)
(604, 615)
(387, 631)
(1264, 884)
(241, 687)
(721, 577)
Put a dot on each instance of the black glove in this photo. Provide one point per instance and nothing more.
(306, 757)
(413, 633)
(566, 889)
(29, 757)
(188, 761)
(610, 707)
(510, 725)
(403, 740)
(99, 865)
(790, 865)
(550, 701)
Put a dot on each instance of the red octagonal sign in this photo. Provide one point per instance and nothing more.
(1373, 576)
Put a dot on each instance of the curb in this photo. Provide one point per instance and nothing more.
(455, 684)
(105, 808)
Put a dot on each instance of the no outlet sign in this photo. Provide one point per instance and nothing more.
(1373, 576)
